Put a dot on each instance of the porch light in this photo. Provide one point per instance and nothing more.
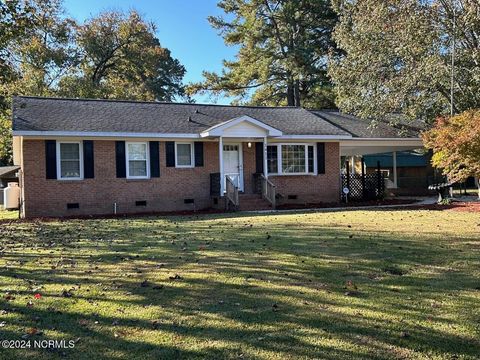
(249, 144)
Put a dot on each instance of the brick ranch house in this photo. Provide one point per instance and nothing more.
(97, 157)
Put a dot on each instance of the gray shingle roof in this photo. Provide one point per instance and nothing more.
(8, 171)
(89, 115)
(86, 115)
(394, 128)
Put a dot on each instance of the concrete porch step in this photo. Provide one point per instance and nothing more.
(249, 202)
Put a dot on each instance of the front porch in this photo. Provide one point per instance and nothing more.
(258, 166)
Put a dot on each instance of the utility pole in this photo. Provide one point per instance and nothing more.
(452, 76)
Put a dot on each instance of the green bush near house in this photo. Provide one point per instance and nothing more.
(330, 285)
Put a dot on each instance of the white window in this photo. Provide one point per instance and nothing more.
(137, 160)
(69, 160)
(184, 155)
(291, 159)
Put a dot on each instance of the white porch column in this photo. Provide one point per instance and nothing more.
(394, 156)
(265, 164)
(352, 164)
(220, 157)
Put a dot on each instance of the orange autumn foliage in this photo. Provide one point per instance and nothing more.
(455, 142)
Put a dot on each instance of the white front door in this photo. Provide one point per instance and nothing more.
(233, 164)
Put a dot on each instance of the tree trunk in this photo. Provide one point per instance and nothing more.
(477, 180)
(290, 94)
(296, 91)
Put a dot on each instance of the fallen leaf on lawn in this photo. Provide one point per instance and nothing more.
(32, 331)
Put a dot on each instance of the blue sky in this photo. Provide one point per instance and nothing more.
(182, 27)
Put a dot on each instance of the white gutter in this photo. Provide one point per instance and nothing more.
(102, 134)
(385, 139)
(314, 137)
(99, 134)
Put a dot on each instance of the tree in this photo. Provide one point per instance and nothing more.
(283, 47)
(396, 57)
(455, 142)
(46, 52)
(35, 50)
(15, 19)
(121, 58)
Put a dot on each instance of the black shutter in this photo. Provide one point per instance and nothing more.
(170, 153)
(321, 158)
(198, 153)
(154, 159)
(88, 165)
(51, 159)
(259, 157)
(120, 159)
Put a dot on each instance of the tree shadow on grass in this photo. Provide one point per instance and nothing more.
(240, 292)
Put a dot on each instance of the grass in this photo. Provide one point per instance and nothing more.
(336, 285)
(6, 215)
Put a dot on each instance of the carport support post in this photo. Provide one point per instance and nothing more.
(348, 179)
(379, 181)
(363, 178)
(395, 181)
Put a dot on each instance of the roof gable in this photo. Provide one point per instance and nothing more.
(243, 126)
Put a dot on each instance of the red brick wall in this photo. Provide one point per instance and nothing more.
(96, 196)
(313, 189)
(44, 197)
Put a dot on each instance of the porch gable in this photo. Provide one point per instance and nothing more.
(244, 127)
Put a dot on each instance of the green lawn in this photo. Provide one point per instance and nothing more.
(5, 215)
(337, 285)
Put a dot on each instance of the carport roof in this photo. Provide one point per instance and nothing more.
(395, 127)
